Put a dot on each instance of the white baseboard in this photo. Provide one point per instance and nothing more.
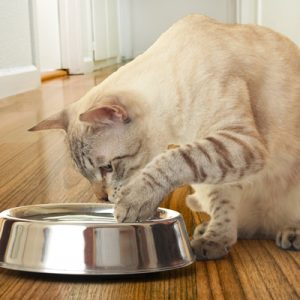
(88, 65)
(100, 64)
(18, 80)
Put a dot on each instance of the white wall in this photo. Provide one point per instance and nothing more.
(149, 18)
(125, 29)
(14, 31)
(105, 29)
(101, 29)
(48, 34)
(75, 34)
(281, 15)
(18, 53)
(86, 33)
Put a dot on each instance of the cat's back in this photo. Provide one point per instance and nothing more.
(210, 47)
(204, 35)
(268, 61)
(197, 47)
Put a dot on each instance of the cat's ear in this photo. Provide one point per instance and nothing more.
(106, 114)
(57, 121)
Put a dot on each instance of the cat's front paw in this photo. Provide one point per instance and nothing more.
(208, 249)
(136, 202)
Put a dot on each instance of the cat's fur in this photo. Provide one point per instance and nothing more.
(229, 96)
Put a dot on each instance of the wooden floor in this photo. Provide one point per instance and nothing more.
(34, 168)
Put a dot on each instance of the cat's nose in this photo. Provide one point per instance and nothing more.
(99, 192)
(105, 199)
(102, 197)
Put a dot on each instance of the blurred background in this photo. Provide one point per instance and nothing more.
(40, 38)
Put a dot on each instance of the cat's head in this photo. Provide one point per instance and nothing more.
(107, 141)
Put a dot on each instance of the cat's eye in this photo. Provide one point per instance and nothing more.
(108, 168)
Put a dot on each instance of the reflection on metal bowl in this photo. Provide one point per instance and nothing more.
(86, 239)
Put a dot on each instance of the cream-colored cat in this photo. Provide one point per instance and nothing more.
(229, 95)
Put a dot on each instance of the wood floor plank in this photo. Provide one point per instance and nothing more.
(250, 277)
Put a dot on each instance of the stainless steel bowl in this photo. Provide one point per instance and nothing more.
(86, 239)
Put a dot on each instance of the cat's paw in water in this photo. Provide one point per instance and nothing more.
(289, 239)
(136, 203)
(208, 249)
(132, 212)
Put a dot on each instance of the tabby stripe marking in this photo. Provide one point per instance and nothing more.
(117, 165)
(127, 211)
(248, 155)
(153, 179)
(148, 182)
(130, 154)
(213, 193)
(203, 174)
(191, 164)
(83, 161)
(243, 131)
(225, 201)
(239, 186)
(141, 208)
(163, 175)
(77, 158)
(206, 154)
(91, 162)
(223, 170)
(133, 168)
(79, 155)
(82, 155)
(213, 203)
(121, 172)
(238, 128)
(242, 173)
(221, 150)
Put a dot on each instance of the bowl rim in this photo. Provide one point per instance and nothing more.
(6, 214)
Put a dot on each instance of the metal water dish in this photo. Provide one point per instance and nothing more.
(86, 239)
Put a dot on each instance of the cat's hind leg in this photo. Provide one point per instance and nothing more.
(212, 240)
(196, 200)
(289, 238)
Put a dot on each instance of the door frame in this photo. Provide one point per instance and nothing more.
(72, 37)
(22, 79)
(248, 11)
(72, 56)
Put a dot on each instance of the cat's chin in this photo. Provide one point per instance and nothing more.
(111, 200)
(104, 200)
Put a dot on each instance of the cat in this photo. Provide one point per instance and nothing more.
(229, 96)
